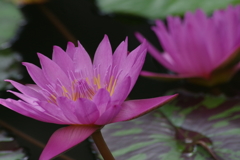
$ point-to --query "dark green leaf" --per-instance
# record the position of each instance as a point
(189, 128)
(153, 9)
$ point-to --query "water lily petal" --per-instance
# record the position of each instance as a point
(67, 107)
(24, 97)
(121, 91)
(108, 115)
(64, 139)
(103, 57)
(82, 61)
(29, 111)
(52, 71)
(101, 100)
(133, 65)
(188, 52)
(136, 68)
(36, 74)
(26, 90)
(71, 49)
(55, 111)
(156, 54)
(33, 87)
(135, 108)
(120, 54)
(86, 111)
(62, 59)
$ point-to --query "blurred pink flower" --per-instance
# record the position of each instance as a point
(71, 90)
(199, 47)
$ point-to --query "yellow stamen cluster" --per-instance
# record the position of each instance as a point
(111, 85)
(84, 89)
(97, 81)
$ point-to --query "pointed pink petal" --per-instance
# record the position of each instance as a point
(101, 99)
(71, 49)
(62, 59)
(155, 53)
(120, 54)
(108, 115)
(82, 61)
(137, 54)
(173, 40)
(35, 112)
(103, 56)
(64, 139)
(86, 111)
(18, 107)
(135, 108)
(33, 87)
(136, 68)
(26, 90)
(55, 111)
(134, 63)
(36, 74)
(52, 71)
(194, 42)
(24, 97)
(121, 91)
(213, 45)
(67, 107)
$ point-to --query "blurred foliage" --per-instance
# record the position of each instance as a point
(166, 133)
(9, 67)
(154, 9)
(192, 127)
(9, 20)
(9, 62)
(9, 148)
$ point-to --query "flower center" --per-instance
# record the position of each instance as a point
(111, 85)
(83, 88)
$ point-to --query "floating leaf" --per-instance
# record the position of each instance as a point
(189, 128)
(153, 9)
(9, 20)
(9, 148)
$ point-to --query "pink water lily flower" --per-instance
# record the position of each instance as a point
(72, 90)
(198, 47)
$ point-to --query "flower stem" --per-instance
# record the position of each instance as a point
(102, 146)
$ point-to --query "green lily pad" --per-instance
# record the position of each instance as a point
(9, 61)
(9, 20)
(9, 148)
(153, 9)
(189, 128)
